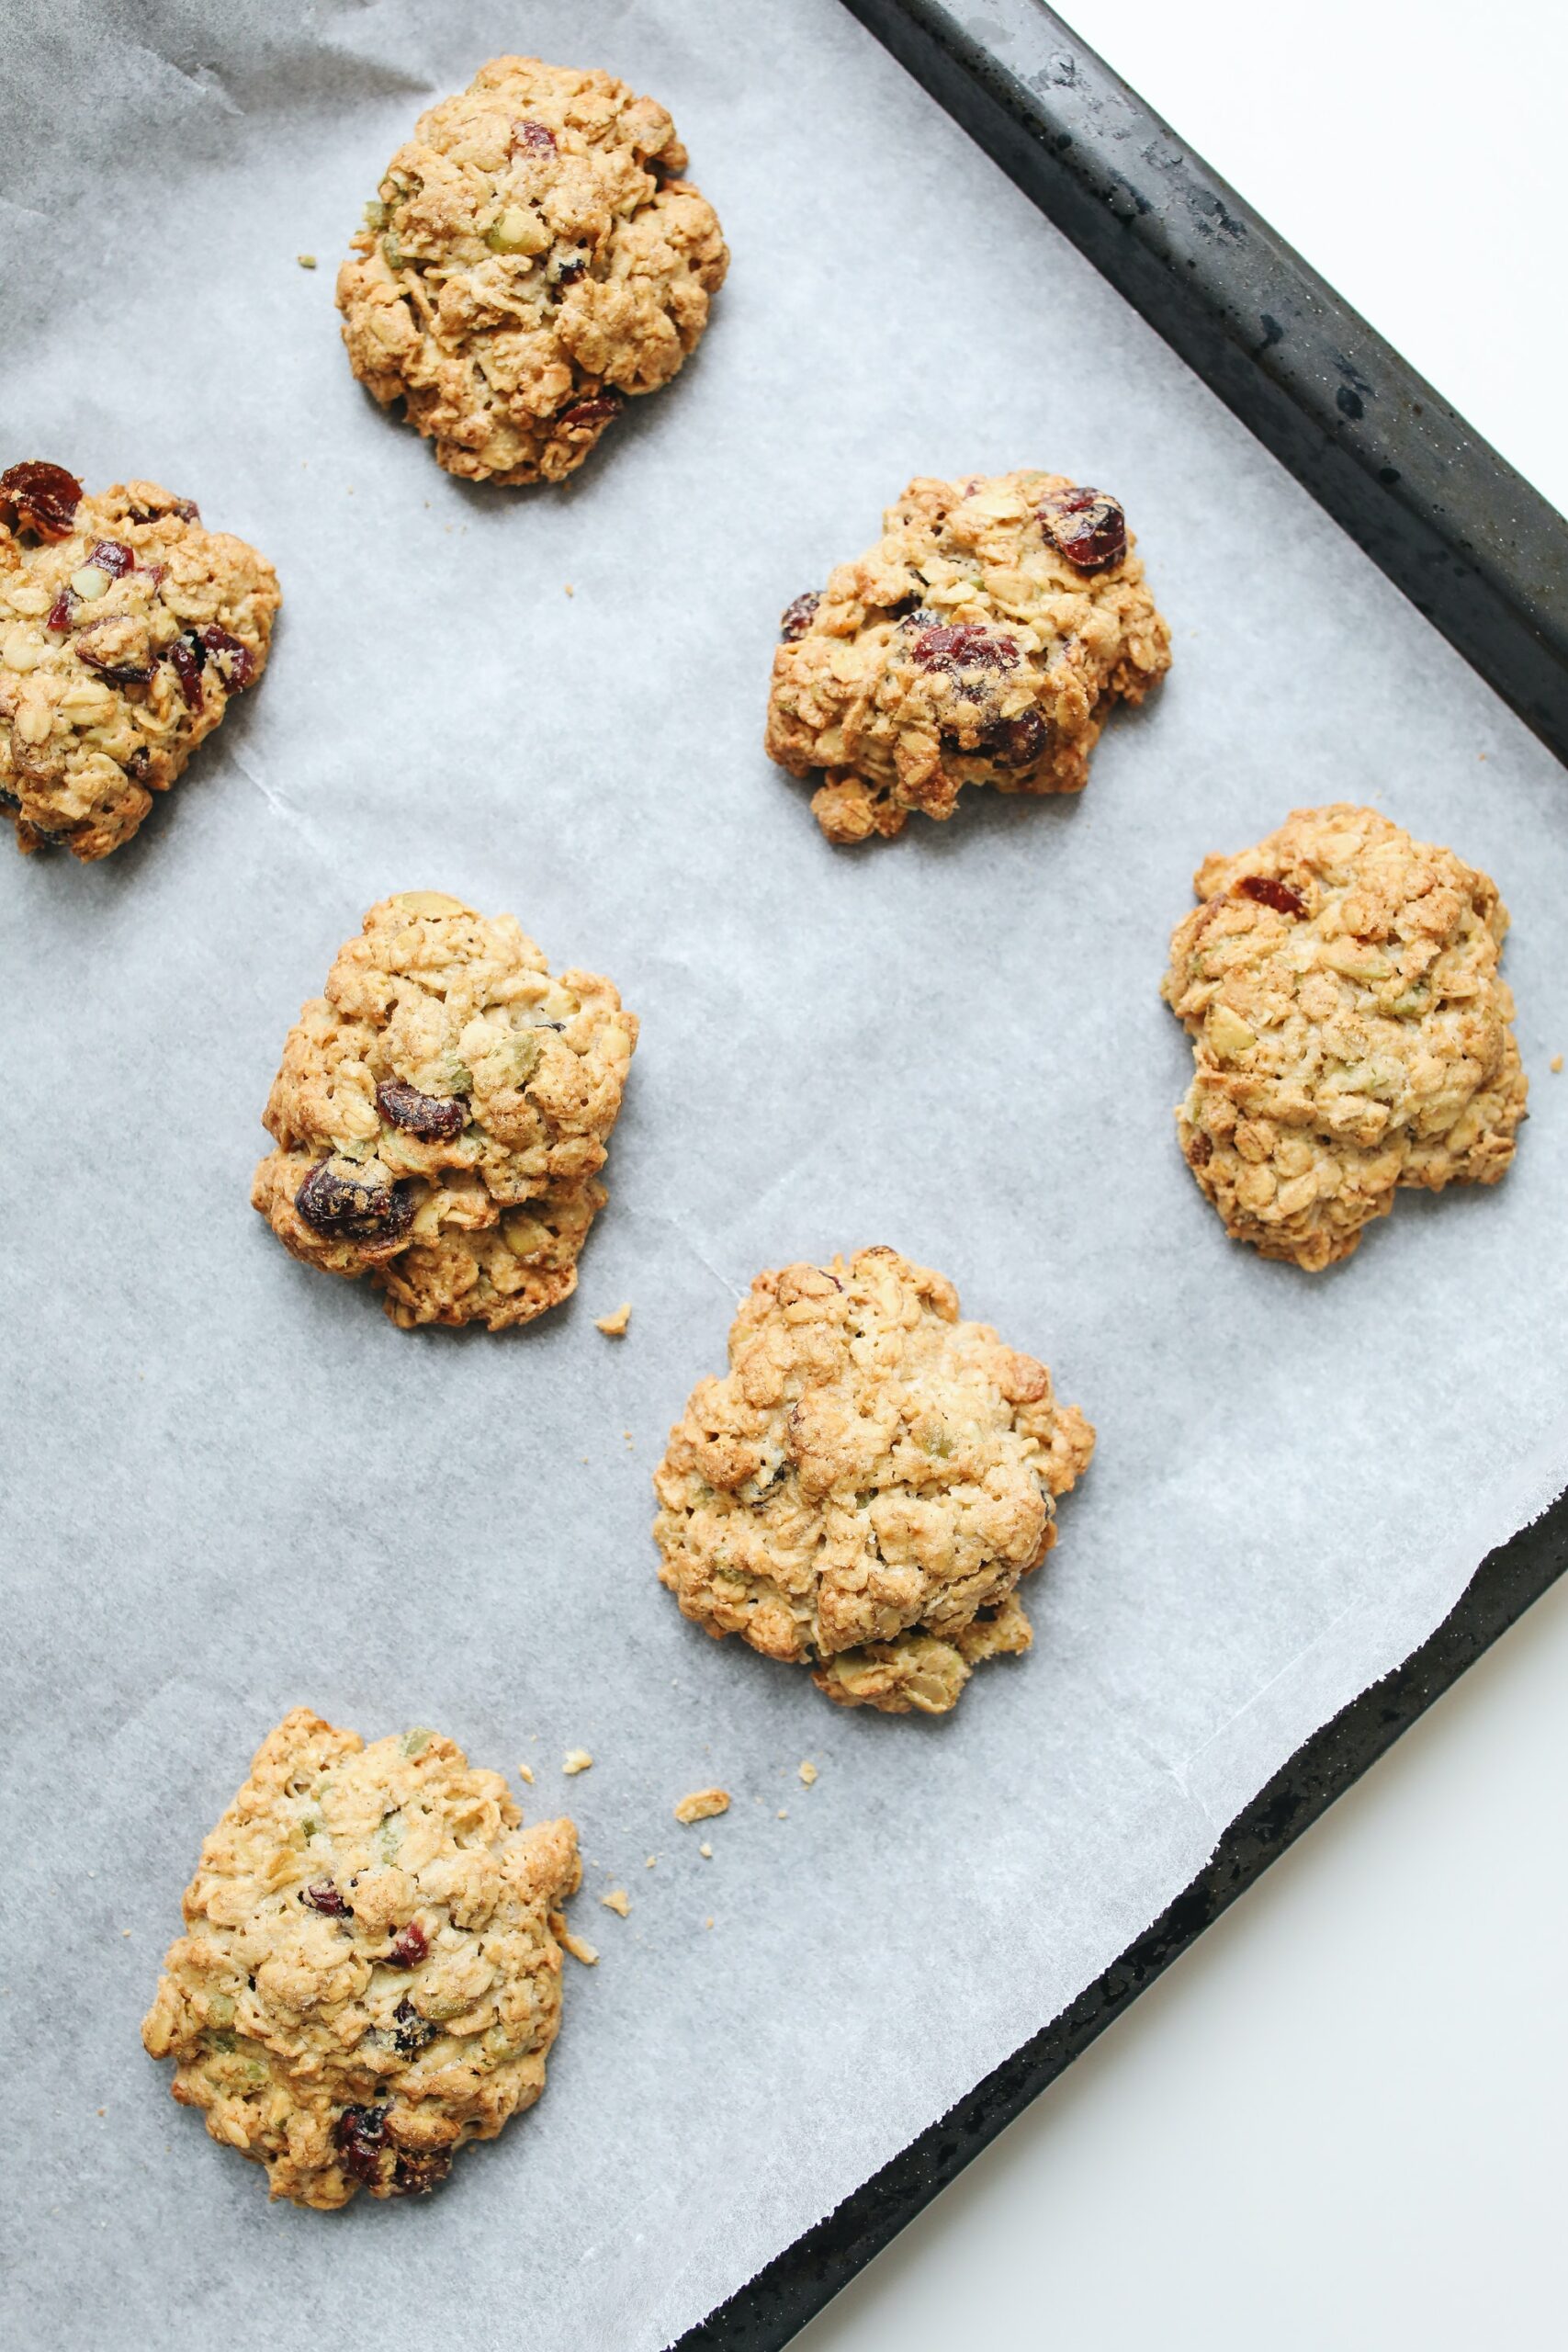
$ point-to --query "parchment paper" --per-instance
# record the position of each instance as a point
(235, 1486)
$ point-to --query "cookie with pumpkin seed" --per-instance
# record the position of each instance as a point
(1352, 1031)
(984, 639)
(441, 1116)
(126, 628)
(370, 1972)
(532, 256)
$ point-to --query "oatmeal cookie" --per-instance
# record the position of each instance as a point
(124, 628)
(982, 639)
(866, 1485)
(370, 1976)
(1349, 1029)
(441, 1115)
(532, 254)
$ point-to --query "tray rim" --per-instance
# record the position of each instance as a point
(1484, 557)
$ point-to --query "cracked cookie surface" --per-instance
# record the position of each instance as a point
(124, 628)
(864, 1488)
(369, 1977)
(1350, 1031)
(441, 1116)
(532, 256)
(982, 639)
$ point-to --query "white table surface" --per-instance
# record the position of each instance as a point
(1340, 2122)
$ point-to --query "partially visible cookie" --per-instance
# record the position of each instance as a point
(1350, 1031)
(125, 627)
(441, 1116)
(369, 1977)
(982, 639)
(864, 1488)
(532, 256)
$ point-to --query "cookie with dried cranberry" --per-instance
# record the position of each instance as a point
(441, 1116)
(369, 1977)
(125, 629)
(984, 639)
(534, 256)
(1352, 1031)
(863, 1489)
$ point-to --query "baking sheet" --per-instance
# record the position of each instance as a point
(233, 1486)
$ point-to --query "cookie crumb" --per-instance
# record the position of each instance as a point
(1556, 1065)
(523, 1774)
(809, 1772)
(707, 1853)
(579, 1949)
(784, 1812)
(306, 261)
(702, 1805)
(617, 1899)
(707, 1923)
(615, 1326)
(569, 589)
(577, 1760)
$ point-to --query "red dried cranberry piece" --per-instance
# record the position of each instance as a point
(408, 1946)
(1267, 892)
(598, 408)
(112, 556)
(1015, 742)
(797, 618)
(234, 662)
(324, 1897)
(349, 1208)
(436, 1116)
(957, 645)
(187, 510)
(361, 2136)
(124, 673)
(1086, 525)
(189, 658)
(535, 138)
(410, 2031)
(40, 497)
(1200, 1148)
(62, 611)
(416, 2172)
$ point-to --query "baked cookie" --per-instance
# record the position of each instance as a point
(532, 255)
(982, 639)
(864, 1488)
(369, 1977)
(1349, 1030)
(124, 628)
(441, 1115)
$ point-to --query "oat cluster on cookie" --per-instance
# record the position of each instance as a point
(369, 1977)
(1350, 1029)
(441, 1115)
(864, 1488)
(125, 627)
(982, 639)
(532, 254)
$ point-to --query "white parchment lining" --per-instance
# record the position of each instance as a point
(235, 1486)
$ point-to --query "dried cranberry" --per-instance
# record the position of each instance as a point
(112, 556)
(352, 1208)
(62, 611)
(324, 1897)
(234, 662)
(437, 1116)
(1267, 892)
(189, 658)
(412, 2031)
(1015, 742)
(124, 673)
(187, 510)
(40, 497)
(416, 2172)
(1201, 1149)
(535, 138)
(140, 763)
(361, 2136)
(408, 1946)
(957, 645)
(797, 618)
(598, 408)
(1086, 525)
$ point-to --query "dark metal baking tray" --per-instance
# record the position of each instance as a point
(1485, 558)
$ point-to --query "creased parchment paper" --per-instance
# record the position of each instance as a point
(235, 1486)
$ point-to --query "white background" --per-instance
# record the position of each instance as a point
(1338, 2121)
